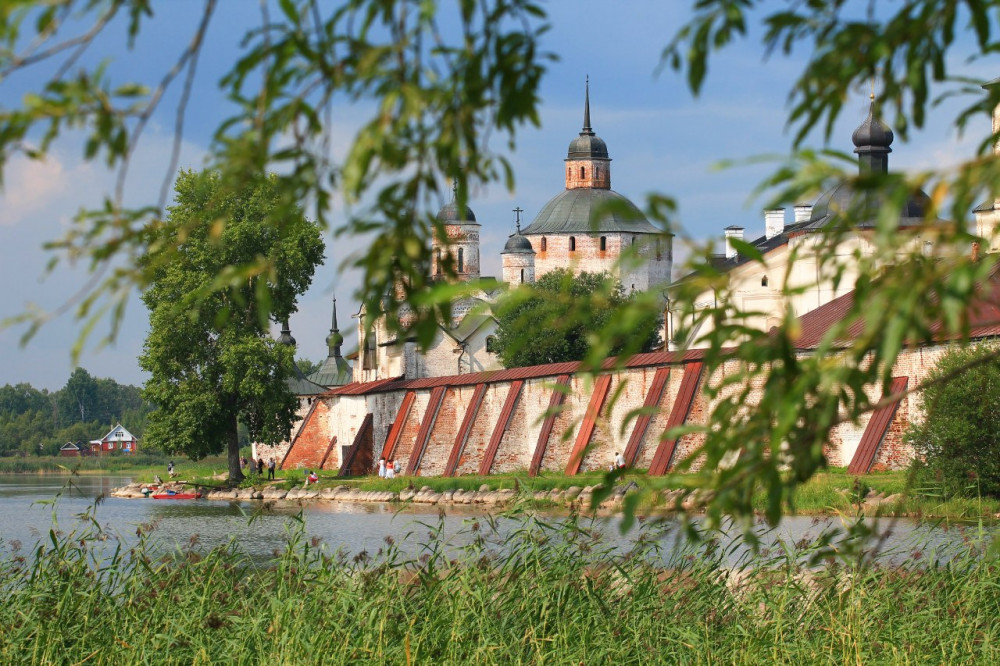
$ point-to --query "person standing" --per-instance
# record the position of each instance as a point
(270, 469)
(170, 469)
(381, 468)
(396, 467)
(389, 471)
(260, 465)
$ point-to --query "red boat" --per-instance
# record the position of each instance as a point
(173, 494)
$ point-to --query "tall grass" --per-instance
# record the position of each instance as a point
(540, 593)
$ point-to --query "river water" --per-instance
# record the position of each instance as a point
(32, 505)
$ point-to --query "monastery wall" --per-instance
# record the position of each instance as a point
(503, 421)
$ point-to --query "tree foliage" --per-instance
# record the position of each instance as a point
(556, 319)
(436, 94)
(959, 438)
(211, 359)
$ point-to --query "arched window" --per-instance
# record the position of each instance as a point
(522, 276)
(461, 260)
(763, 281)
(604, 243)
(544, 244)
(491, 344)
(583, 173)
(572, 243)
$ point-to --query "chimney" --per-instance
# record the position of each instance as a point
(732, 232)
(803, 212)
(774, 222)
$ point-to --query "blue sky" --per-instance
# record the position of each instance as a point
(659, 137)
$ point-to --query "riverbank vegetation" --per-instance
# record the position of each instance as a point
(536, 593)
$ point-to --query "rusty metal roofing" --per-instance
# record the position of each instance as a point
(650, 359)
(983, 314)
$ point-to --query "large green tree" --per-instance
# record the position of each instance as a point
(211, 359)
(556, 318)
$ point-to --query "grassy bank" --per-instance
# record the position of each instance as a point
(546, 595)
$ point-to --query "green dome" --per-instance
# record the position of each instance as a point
(570, 212)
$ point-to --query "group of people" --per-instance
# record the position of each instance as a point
(388, 470)
(258, 466)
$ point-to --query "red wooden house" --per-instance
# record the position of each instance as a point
(119, 439)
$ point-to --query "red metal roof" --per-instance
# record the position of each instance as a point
(512, 374)
(983, 314)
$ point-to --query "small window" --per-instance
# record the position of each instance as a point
(763, 281)
(461, 260)
(544, 244)
(572, 243)
(597, 172)
(370, 352)
(438, 271)
(522, 276)
(491, 343)
(659, 251)
(583, 173)
(604, 243)
(633, 241)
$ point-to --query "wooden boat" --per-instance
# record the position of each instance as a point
(175, 495)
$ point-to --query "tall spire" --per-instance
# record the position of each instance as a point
(586, 112)
(335, 339)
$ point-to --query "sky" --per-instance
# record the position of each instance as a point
(660, 138)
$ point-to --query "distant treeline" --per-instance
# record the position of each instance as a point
(37, 422)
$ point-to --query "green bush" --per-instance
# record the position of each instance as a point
(958, 443)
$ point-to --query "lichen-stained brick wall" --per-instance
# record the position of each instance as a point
(482, 428)
(312, 441)
(514, 452)
(442, 437)
(658, 424)
(567, 424)
(385, 409)
(404, 447)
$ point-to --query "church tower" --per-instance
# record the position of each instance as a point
(462, 233)
(517, 258)
(590, 227)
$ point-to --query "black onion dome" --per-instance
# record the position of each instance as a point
(517, 244)
(587, 146)
(872, 133)
(449, 214)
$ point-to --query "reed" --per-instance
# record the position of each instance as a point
(535, 593)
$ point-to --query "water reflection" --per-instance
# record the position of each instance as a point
(261, 529)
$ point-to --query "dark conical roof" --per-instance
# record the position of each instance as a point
(450, 214)
(517, 244)
(588, 145)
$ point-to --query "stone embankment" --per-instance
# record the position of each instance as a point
(425, 495)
